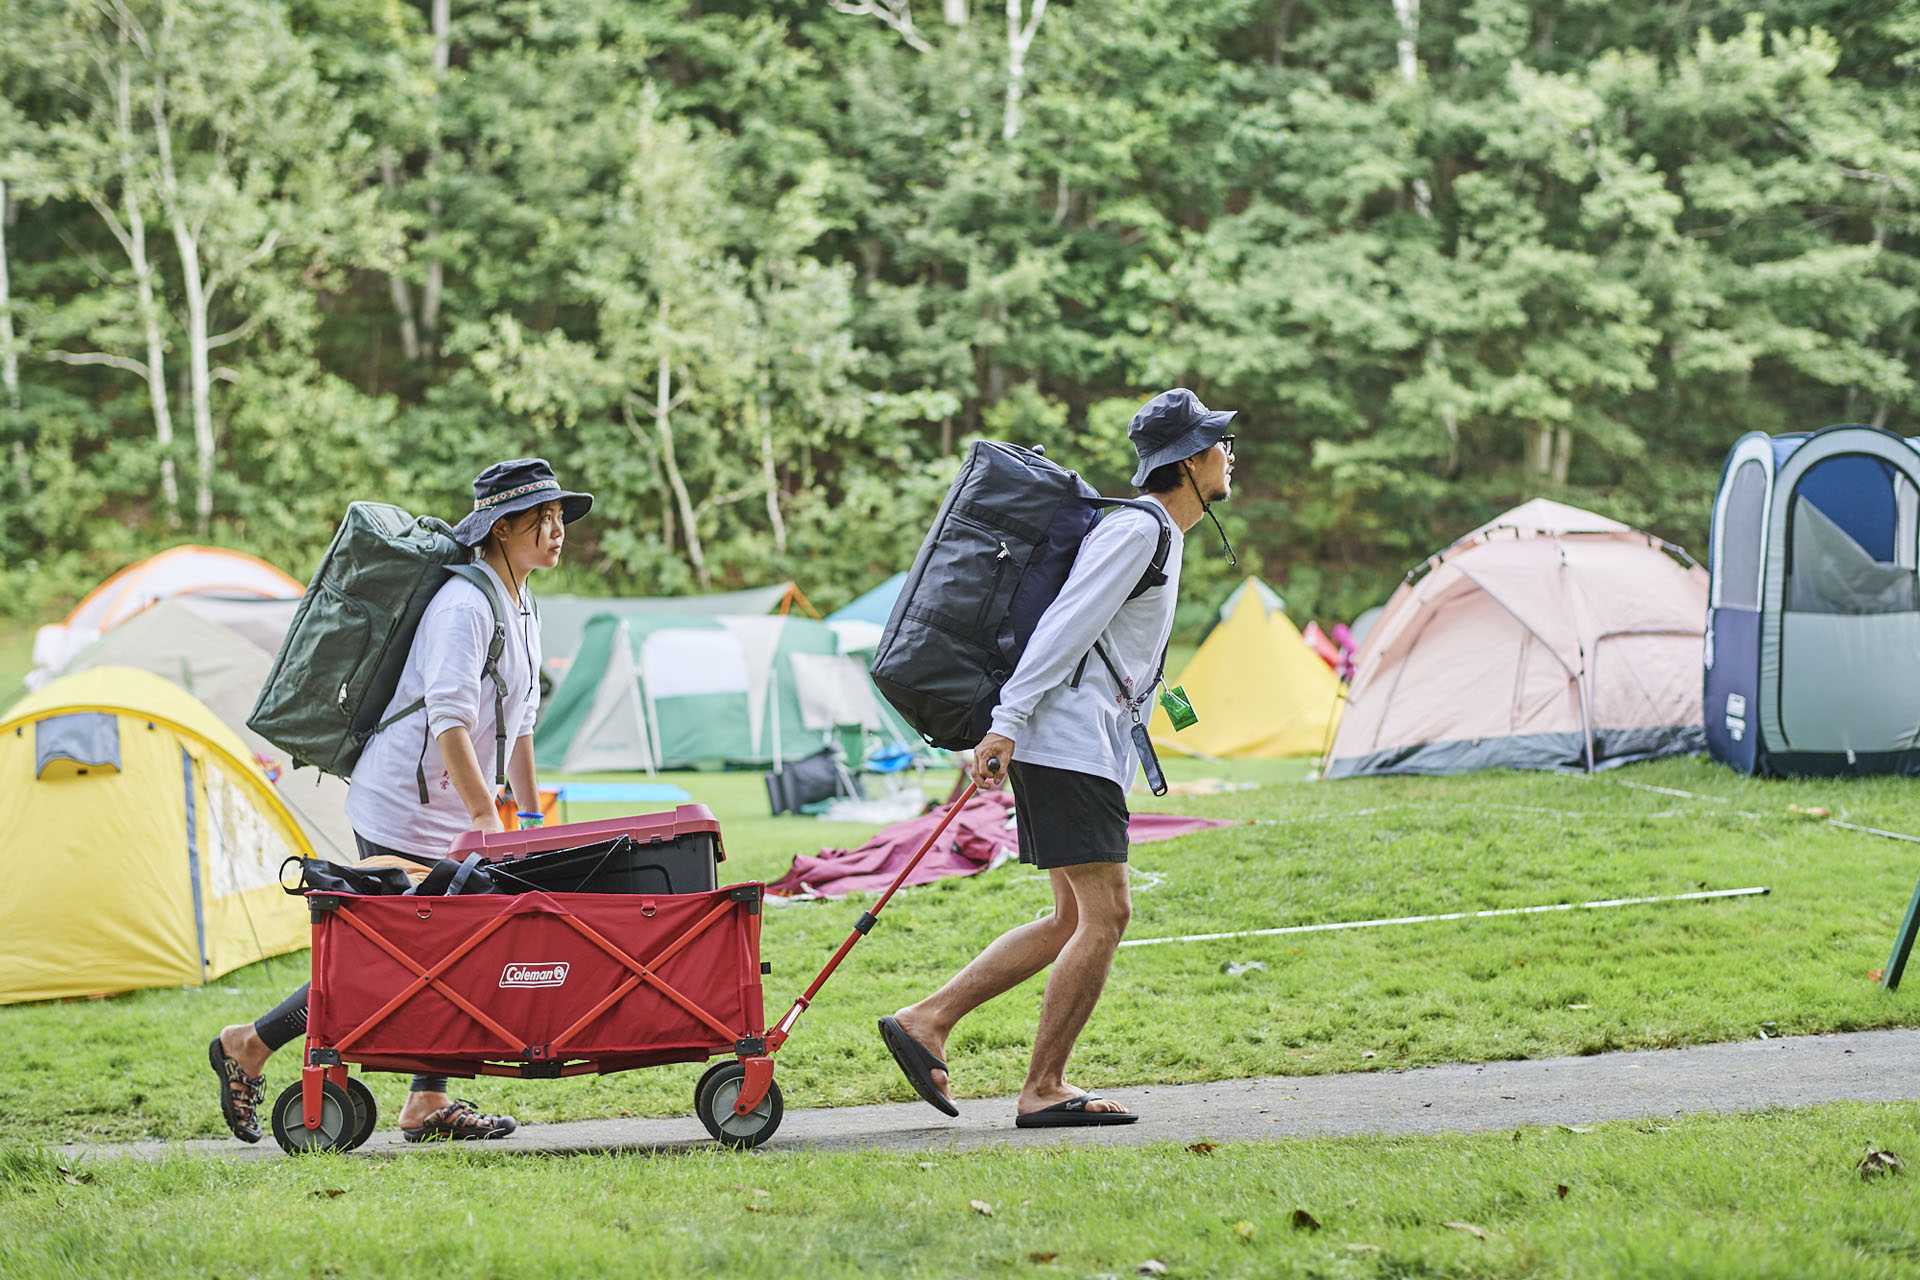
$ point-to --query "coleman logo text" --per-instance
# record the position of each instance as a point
(534, 975)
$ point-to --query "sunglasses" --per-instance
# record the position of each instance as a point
(1226, 442)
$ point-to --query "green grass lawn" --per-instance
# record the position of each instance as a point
(1764, 1195)
(1375, 999)
(16, 659)
(1739, 1197)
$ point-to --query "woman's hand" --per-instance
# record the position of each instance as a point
(489, 823)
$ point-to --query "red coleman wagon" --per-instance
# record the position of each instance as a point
(541, 984)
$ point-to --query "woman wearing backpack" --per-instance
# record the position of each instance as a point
(419, 784)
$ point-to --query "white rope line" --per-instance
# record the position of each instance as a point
(1451, 915)
(1427, 809)
(1832, 822)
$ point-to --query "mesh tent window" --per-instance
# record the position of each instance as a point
(1851, 545)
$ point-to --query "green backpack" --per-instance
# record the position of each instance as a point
(340, 663)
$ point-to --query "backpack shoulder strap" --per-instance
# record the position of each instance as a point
(490, 669)
(1155, 575)
(1156, 571)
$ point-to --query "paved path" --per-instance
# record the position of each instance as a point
(1864, 1066)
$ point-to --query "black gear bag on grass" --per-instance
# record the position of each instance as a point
(341, 660)
(998, 554)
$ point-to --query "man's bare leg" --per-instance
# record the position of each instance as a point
(1100, 894)
(1008, 961)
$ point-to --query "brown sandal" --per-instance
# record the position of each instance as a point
(240, 1093)
(459, 1122)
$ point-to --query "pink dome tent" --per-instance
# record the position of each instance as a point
(1549, 638)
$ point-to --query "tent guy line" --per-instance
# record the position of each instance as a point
(1743, 813)
(1755, 891)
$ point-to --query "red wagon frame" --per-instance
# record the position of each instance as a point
(697, 995)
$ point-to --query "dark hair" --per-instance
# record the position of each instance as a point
(1164, 478)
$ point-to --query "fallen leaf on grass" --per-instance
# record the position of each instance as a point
(1576, 1128)
(756, 1208)
(1151, 1267)
(1304, 1221)
(1875, 975)
(1877, 1163)
(331, 1193)
(79, 1179)
(1562, 1188)
(982, 1208)
(1243, 1229)
(1041, 1259)
(1363, 1248)
(1478, 1233)
(1579, 1006)
(1203, 1148)
(1367, 1053)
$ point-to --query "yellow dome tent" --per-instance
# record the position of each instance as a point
(1257, 688)
(140, 844)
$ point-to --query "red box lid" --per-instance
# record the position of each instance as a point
(645, 828)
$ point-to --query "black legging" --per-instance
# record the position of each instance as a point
(287, 1021)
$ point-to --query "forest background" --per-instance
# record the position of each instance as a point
(755, 272)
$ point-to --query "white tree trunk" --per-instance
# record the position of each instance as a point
(1408, 11)
(130, 229)
(773, 492)
(194, 290)
(436, 273)
(199, 371)
(396, 283)
(10, 362)
(663, 428)
(1019, 40)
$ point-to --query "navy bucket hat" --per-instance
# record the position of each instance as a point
(507, 487)
(1172, 426)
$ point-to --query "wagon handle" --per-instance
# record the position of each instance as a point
(778, 1035)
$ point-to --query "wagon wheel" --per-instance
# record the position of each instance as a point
(368, 1109)
(339, 1120)
(707, 1080)
(719, 1090)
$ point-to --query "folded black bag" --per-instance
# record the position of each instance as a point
(319, 875)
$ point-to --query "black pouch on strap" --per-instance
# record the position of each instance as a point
(452, 877)
(319, 875)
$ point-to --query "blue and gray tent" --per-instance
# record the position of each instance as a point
(1814, 606)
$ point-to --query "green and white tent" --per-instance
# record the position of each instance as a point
(675, 691)
(564, 619)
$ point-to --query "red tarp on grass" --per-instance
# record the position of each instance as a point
(982, 830)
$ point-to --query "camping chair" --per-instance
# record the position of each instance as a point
(810, 780)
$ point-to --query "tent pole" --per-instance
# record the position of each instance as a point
(193, 866)
(653, 712)
(773, 700)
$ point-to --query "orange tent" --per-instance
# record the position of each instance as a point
(177, 571)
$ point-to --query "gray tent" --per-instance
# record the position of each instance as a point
(224, 670)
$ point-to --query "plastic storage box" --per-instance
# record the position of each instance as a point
(675, 852)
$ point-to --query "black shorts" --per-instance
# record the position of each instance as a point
(1066, 818)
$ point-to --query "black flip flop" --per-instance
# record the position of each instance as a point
(916, 1064)
(1072, 1113)
(245, 1125)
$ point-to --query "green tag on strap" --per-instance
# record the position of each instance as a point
(1173, 700)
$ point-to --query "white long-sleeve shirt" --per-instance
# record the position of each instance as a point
(1088, 729)
(444, 668)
